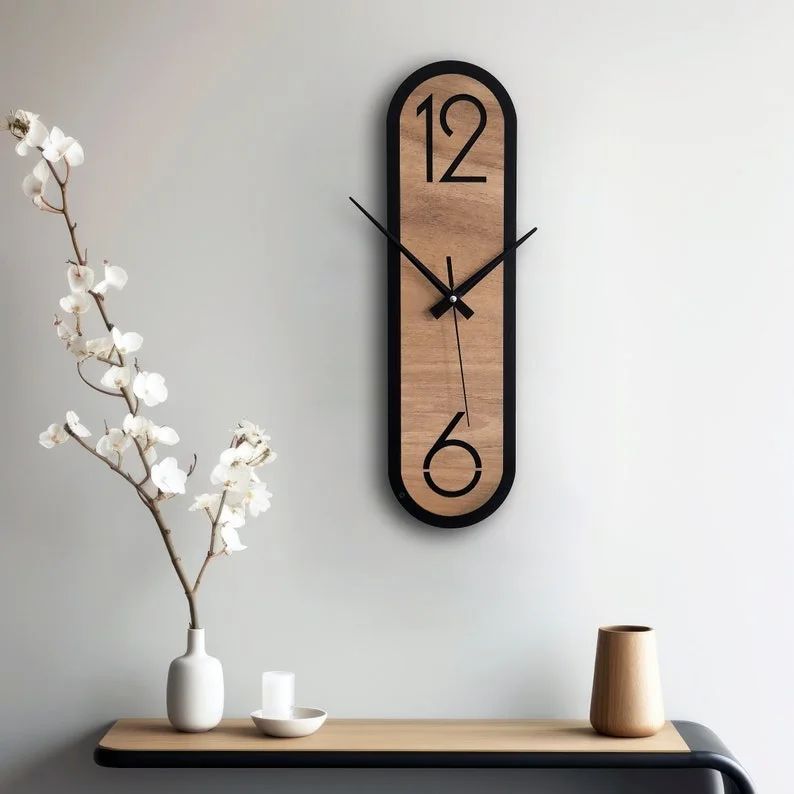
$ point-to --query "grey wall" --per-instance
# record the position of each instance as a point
(656, 419)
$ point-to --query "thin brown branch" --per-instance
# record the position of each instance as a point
(211, 553)
(165, 532)
(132, 403)
(95, 388)
(108, 462)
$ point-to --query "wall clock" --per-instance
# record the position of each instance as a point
(451, 181)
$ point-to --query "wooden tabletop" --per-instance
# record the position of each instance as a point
(384, 736)
(421, 744)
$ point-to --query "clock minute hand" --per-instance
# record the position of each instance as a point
(438, 309)
(419, 265)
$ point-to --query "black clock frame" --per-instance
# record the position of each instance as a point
(393, 282)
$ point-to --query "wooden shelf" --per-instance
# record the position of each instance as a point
(419, 743)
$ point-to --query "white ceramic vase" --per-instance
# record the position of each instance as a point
(194, 694)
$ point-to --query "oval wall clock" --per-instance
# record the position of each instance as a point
(451, 172)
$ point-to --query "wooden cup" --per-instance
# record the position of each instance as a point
(627, 691)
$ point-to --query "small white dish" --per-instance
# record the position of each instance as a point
(303, 722)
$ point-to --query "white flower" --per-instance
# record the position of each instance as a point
(75, 343)
(126, 343)
(165, 435)
(150, 454)
(114, 441)
(256, 497)
(78, 347)
(237, 456)
(233, 478)
(33, 185)
(150, 387)
(101, 346)
(73, 420)
(115, 277)
(233, 515)
(65, 333)
(76, 303)
(206, 501)
(52, 436)
(139, 427)
(250, 432)
(148, 433)
(35, 133)
(168, 477)
(80, 278)
(116, 377)
(233, 471)
(232, 539)
(59, 145)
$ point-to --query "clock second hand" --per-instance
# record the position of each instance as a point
(457, 339)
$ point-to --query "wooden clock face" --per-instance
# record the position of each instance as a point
(451, 135)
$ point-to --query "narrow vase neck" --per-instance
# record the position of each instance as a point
(195, 641)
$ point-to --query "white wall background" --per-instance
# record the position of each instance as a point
(656, 419)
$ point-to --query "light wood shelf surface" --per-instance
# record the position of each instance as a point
(362, 736)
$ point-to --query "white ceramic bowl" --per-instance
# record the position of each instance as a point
(303, 722)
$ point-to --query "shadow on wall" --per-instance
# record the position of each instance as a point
(71, 770)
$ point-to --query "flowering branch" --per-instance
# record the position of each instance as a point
(241, 493)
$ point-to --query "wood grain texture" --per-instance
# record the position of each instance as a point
(488, 736)
(627, 691)
(463, 220)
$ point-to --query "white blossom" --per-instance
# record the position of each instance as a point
(206, 501)
(35, 133)
(65, 333)
(101, 346)
(115, 277)
(115, 441)
(258, 499)
(77, 346)
(150, 387)
(73, 420)
(80, 278)
(148, 433)
(52, 436)
(59, 145)
(168, 477)
(233, 515)
(33, 185)
(237, 456)
(232, 472)
(255, 497)
(233, 478)
(116, 377)
(139, 427)
(231, 539)
(165, 435)
(76, 303)
(248, 431)
(126, 343)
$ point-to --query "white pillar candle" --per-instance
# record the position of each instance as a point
(278, 693)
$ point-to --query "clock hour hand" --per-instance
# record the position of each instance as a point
(420, 266)
(438, 309)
